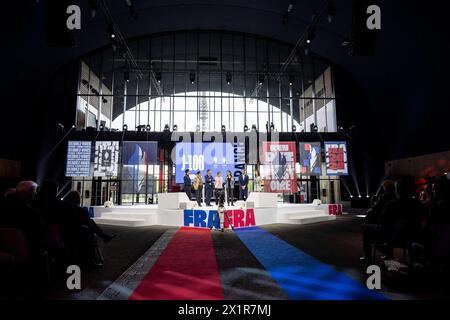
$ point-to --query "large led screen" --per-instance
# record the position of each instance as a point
(200, 156)
(78, 159)
(106, 158)
(310, 158)
(336, 158)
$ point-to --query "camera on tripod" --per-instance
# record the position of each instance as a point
(221, 213)
(220, 195)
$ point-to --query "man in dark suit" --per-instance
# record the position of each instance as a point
(187, 184)
(209, 187)
(243, 185)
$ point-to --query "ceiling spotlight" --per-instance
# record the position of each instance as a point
(291, 80)
(111, 32)
(261, 79)
(192, 77)
(359, 196)
(245, 128)
(175, 127)
(125, 127)
(148, 127)
(351, 196)
(294, 128)
(158, 77)
(228, 78)
(126, 76)
(310, 33)
(367, 196)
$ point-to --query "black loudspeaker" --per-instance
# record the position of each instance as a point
(363, 40)
(57, 33)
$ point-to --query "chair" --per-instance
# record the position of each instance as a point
(402, 237)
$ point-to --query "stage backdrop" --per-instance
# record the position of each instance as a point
(279, 167)
(136, 156)
(106, 158)
(78, 159)
(310, 163)
(336, 158)
(199, 156)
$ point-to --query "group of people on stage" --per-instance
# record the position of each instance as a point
(219, 183)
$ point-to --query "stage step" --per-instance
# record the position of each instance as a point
(310, 219)
(125, 222)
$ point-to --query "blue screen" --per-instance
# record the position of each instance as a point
(201, 156)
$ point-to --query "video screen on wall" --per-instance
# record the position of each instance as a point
(201, 156)
(310, 163)
(136, 158)
(336, 158)
(78, 159)
(106, 158)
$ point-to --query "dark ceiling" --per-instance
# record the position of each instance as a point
(405, 82)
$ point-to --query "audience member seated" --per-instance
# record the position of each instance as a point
(16, 212)
(83, 214)
(370, 226)
(406, 211)
(79, 240)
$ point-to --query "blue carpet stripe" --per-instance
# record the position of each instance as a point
(301, 276)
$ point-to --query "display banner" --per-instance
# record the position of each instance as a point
(336, 158)
(136, 156)
(106, 158)
(204, 218)
(310, 163)
(201, 156)
(279, 167)
(78, 159)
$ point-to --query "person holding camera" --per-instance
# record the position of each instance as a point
(229, 182)
(218, 186)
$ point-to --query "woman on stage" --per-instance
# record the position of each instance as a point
(229, 182)
(218, 186)
(257, 182)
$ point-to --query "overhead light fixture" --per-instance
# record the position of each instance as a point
(158, 77)
(110, 31)
(228, 77)
(192, 77)
(294, 128)
(359, 196)
(126, 76)
(291, 79)
(261, 79)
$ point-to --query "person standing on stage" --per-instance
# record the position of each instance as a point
(209, 186)
(243, 184)
(198, 187)
(257, 182)
(218, 186)
(229, 182)
(187, 184)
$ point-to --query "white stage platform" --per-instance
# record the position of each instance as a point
(147, 215)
